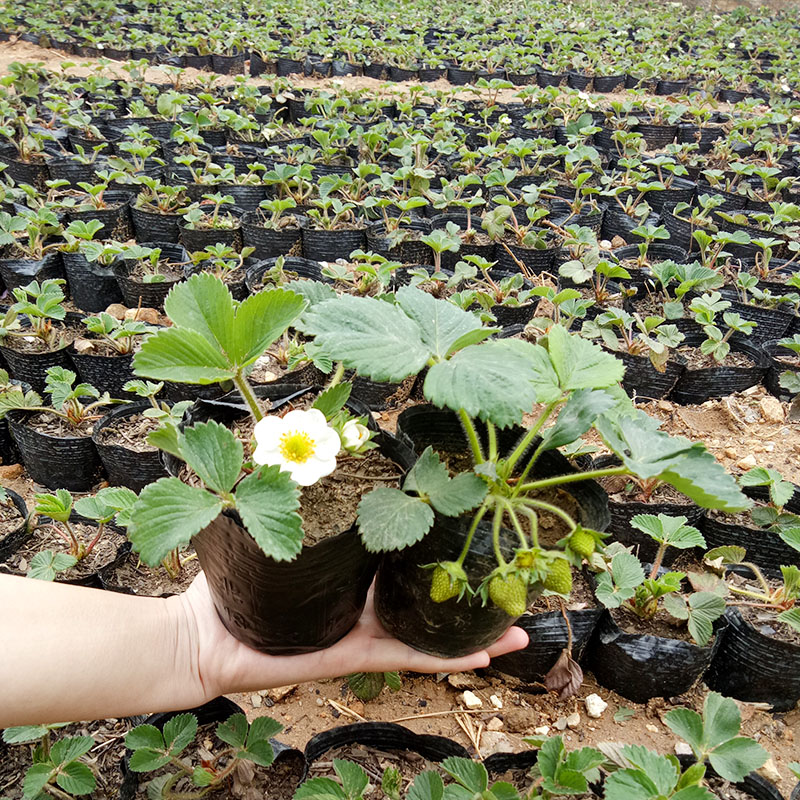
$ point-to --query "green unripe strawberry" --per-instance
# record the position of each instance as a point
(443, 587)
(559, 577)
(510, 593)
(582, 543)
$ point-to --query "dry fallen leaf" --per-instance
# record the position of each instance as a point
(565, 676)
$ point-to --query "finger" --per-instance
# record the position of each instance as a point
(513, 639)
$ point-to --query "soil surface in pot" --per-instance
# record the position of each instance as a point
(45, 538)
(581, 596)
(374, 762)
(99, 347)
(33, 344)
(621, 489)
(696, 359)
(10, 518)
(152, 581)
(170, 270)
(725, 790)
(104, 758)
(662, 624)
(51, 425)
(130, 432)
(764, 620)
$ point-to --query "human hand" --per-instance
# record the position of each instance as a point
(223, 664)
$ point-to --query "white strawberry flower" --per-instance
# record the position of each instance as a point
(354, 435)
(301, 443)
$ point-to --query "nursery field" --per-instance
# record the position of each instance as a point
(499, 317)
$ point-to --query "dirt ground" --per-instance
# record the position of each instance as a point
(742, 431)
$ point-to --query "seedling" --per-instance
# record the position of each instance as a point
(41, 304)
(716, 344)
(120, 335)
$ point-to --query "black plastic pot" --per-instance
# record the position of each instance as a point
(617, 223)
(535, 261)
(773, 352)
(656, 137)
(449, 260)
(123, 465)
(302, 267)
(656, 253)
(17, 272)
(11, 542)
(547, 634)
(764, 548)
(150, 295)
(197, 239)
(153, 227)
(106, 373)
(753, 667)
(72, 171)
(228, 64)
(383, 736)
(116, 219)
(286, 608)
(698, 385)
(69, 462)
(771, 323)
(640, 666)
(268, 243)
(680, 191)
(325, 245)
(608, 83)
(31, 368)
(408, 251)
(9, 454)
(92, 287)
(645, 381)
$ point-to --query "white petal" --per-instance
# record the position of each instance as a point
(312, 470)
(268, 428)
(268, 454)
(327, 443)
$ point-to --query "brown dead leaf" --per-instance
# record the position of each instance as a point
(565, 676)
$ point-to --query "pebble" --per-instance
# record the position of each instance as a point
(652, 728)
(731, 452)
(595, 706)
(561, 724)
(748, 462)
(573, 720)
(471, 700)
(494, 724)
(771, 409)
(255, 700)
(495, 742)
(496, 701)
(11, 471)
(117, 310)
(542, 730)
(770, 771)
(149, 315)
(466, 680)
(320, 701)
(682, 749)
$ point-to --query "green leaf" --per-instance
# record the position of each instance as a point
(675, 605)
(578, 415)
(694, 793)
(373, 337)
(449, 496)
(441, 324)
(393, 681)
(263, 729)
(687, 725)
(47, 564)
(145, 736)
(473, 337)
(22, 734)
(166, 515)
(579, 363)
(629, 784)
(76, 778)
(659, 769)
(320, 789)
(737, 758)
(389, 519)
(166, 439)
(491, 381)
(470, 774)
(214, 453)
(427, 786)
(260, 320)
(730, 554)
(624, 714)
(202, 777)
(704, 480)
(333, 399)
(790, 618)
(354, 779)
(672, 530)
(36, 778)
(704, 609)
(147, 760)
(366, 686)
(721, 719)
(234, 731)
(179, 732)
(70, 747)
(267, 501)
(182, 356)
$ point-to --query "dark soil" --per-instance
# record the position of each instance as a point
(764, 620)
(581, 596)
(269, 368)
(10, 518)
(169, 269)
(725, 790)
(663, 625)
(45, 538)
(621, 489)
(32, 344)
(51, 425)
(699, 360)
(99, 347)
(130, 432)
(103, 759)
(374, 762)
(143, 580)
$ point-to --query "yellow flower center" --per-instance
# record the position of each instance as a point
(297, 446)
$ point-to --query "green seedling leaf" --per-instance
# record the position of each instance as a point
(389, 519)
(579, 363)
(620, 585)
(354, 779)
(47, 564)
(426, 786)
(214, 453)
(624, 714)
(179, 732)
(578, 415)
(333, 399)
(672, 531)
(470, 774)
(184, 356)
(430, 479)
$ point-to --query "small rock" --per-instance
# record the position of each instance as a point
(770, 771)
(255, 700)
(652, 728)
(496, 701)
(466, 680)
(561, 724)
(494, 724)
(682, 749)
(83, 345)
(542, 730)
(320, 701)
(11, 471)
(595, 706)
(771, 409)
(149, 315)
(573, 720)
(519, 720)
(495, 742)
(665, 405)
(748, 462)
(358, 707)
(730, 452)
(471, 700)
(117, 310)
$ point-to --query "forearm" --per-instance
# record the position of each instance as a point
(71, 653)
